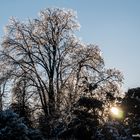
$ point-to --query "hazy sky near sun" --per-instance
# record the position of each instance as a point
(114, 25)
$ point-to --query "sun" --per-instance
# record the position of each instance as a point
(116, 112)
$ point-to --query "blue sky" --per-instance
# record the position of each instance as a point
(114, 25)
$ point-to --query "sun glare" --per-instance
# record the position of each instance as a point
(116, 112)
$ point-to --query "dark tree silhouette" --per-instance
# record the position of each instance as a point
(131, 106)
(13, 127)
(85, 120)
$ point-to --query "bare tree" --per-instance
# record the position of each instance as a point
(57, 65)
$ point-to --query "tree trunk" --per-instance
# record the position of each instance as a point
(0, 101)
(51, 86)
(51, 97)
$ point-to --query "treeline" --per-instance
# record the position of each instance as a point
(54, 86)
